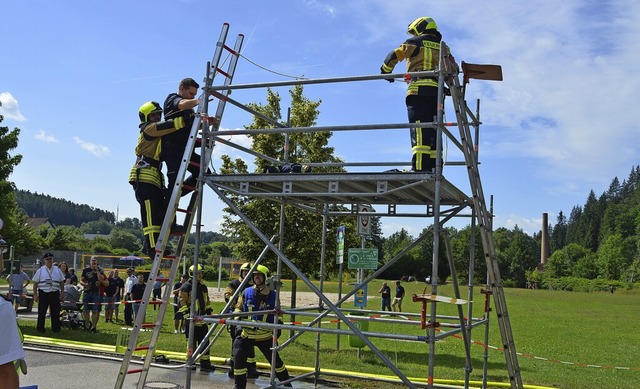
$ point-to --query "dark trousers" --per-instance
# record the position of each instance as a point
(386, 303)
(241, 349)
(172, 156)
(128, 310)
(50, 301)
(422, 109)
(200, 333)
(152, 210)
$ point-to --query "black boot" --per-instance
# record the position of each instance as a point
(240, 382)
(283, 376)
(230, 373)
(206, 366)
(252, 372)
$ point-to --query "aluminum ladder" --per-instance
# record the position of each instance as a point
(200, 133)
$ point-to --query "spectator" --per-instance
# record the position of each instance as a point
(137, 291)
(109, 299)
(157, 289)
(64, 268)
(48, 282)
(128, 285)
(71, 297)
(385, 291)
(74, 277)
(397, 301)
(17, 284)
(93, 278)
(120, 283)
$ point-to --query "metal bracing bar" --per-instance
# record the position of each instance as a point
(236, 146)
(327, 80)
(351, 127)
(313, 288)
(370, 278)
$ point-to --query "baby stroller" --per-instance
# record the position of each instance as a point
(70, 314)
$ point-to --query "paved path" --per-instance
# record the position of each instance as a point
(58, 370)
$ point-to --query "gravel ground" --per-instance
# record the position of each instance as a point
(302, 298)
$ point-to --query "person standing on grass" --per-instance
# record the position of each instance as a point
(48, 287)
(17, 284)
(93, 280)
(397, 301)
(128, 285)
(385, 291)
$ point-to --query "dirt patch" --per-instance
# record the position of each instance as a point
(303, 299)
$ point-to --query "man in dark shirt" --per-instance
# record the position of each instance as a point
(397, 301)
(92, 279)
(385, 291)
(177, 105)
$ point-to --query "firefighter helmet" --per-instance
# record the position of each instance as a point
(245, 267)
(420, 25)
(261, 269)
(191, 270)
(147, 109)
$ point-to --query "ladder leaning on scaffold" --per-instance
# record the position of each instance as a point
(487, 72)
(201, 131)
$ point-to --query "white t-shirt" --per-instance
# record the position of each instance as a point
(11, 346)
(128, 284)
(48, 280)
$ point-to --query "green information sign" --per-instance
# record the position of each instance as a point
(363, 258)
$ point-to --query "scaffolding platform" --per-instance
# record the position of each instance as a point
(401, 188)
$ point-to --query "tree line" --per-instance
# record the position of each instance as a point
(596, 244)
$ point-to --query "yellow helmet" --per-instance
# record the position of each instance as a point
(200, 268)
(263, 270)
(420, 25)
(147, 109)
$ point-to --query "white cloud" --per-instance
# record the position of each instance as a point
(321, 6)
(97, 150)
(9, 108)
(43, 136)
(241, 140)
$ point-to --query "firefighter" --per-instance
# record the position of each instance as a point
(232, 286)
(146, 176)
(259, 297)
(422, 52)
(203, 307)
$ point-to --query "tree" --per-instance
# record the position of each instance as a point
(614, 257)
(302, 237)
(100, 226)
(124, 239)
(561, 262)
(15, 232)
(558, 235)
(393, 245)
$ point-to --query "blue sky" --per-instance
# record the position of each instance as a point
(563, 121)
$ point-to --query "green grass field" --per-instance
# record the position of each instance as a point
(558, 333)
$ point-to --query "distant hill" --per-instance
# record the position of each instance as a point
(60, 212)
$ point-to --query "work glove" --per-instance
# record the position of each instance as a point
(383, 72)
(178, 122)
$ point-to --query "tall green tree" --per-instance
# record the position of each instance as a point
(302, 237)
(15, 231)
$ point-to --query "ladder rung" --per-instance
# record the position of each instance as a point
(222, 72)
(141, 348)
(182, 210)
(133, 371)
(195, 164)
(148, 325)
(162, 279)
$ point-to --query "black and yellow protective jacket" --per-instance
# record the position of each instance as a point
(254, 300)
(202, 300)
(147, 167)
(422, 53)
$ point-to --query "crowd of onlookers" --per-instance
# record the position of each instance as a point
(79, 301)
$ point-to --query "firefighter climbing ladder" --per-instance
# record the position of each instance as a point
(200, 123)
(489, 72)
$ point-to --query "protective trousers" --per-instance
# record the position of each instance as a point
(251, 353)
(152, 210)
(422, 109)
(200, 333)
(241, 350)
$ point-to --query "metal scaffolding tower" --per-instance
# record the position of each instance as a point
(394, 193)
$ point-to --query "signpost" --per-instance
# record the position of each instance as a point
(364, 221)
(363, 259)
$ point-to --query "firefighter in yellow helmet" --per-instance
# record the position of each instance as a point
(203, 307)
(232, 286)
(146, 175)
(421, 52)
(259, 297)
